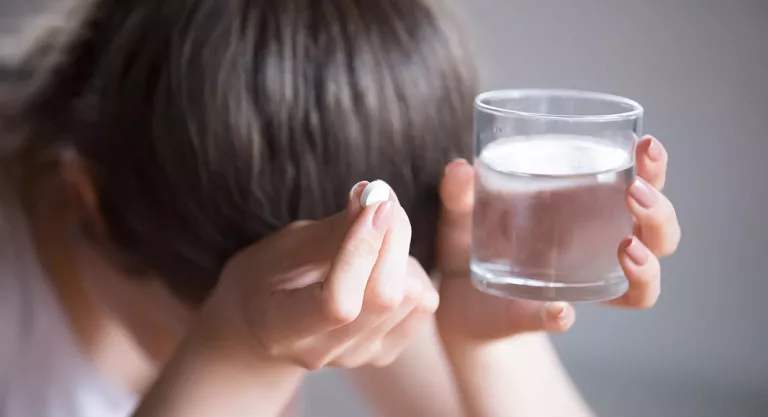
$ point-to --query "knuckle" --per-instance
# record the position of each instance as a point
(673, 237)
(668, 247)
(664, 216)
(646, 300)
(272, 349)
(383, 361)
(430, 302)
(342, 363)
(657, 219)
(645, 280)
(356, 358)
(414, 291)
(311, 363)
(670, 212)
(646, 296)
(297, 224)
(340, 313)
(365, 247)
(385, 300)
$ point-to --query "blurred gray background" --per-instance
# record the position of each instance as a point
(700, 68)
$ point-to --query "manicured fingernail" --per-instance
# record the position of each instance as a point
(655, 151)
(455, 164)
(636, 252)
(383, 216)
(642, 193)
(354, 193)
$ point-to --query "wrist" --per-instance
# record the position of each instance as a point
(214, 338)
(209, 376)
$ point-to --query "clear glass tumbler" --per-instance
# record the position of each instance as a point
(552, 168)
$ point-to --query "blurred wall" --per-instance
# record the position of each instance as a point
(700, 68)
(18, 18)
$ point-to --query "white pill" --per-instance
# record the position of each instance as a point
(375, 192)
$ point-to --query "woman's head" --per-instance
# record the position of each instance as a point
(204, 126)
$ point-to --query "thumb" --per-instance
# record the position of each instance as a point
(338, 299)
(454, 231)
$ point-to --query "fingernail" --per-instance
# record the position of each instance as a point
(636, 252)
(382, 216)
(454, 164)
(655, 151)
(354, 193)
(642, 193)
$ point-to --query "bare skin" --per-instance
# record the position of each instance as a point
(146, 333)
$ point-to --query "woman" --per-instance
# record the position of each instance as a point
(180, 238)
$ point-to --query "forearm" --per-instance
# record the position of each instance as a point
(520, 376)
(418, 384)
(203, 382)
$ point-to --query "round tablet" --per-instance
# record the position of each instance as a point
(375, 192)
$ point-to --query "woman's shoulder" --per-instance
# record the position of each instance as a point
(12, 291)
(26, 300)
(41, 369)
(15, 291)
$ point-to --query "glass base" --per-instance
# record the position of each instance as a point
(532, 289)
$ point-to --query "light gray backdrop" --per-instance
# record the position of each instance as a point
(700, 68)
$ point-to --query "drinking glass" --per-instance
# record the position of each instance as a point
(552, 168)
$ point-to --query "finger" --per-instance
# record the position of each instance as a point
(362, 339)
(326, 236)
(383, 340)
(308, 289)
(533, 316)
(558, 317)
(373, 324)
(386, 286)
(455, 226)
(397, 337)
(643, 272)
(395, 342)
(337, 300)
(651, 159)
(655, 218)
(344, 288)
(368, 334)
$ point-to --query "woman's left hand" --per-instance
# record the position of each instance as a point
(466, 312)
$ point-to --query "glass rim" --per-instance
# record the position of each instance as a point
(635, 112)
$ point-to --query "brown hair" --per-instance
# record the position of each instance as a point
(208, 125)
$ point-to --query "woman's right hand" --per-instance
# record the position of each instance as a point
(341, 291)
